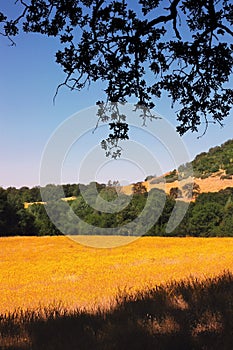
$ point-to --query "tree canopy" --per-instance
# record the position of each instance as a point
(140, 49)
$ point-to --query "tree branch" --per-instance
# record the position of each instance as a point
(226, 29)
(164, 19)
(23, 13)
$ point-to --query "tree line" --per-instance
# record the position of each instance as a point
(210, 215)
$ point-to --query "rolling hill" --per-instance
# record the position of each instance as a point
(212, 171)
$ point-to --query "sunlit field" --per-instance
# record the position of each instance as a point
(43, 271)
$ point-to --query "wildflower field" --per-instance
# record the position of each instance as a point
(44, 271)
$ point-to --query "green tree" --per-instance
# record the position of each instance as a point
(155, 211)
(166, 213)
(14, 198)
(139, 188)
(108, 194)
(26, 223)
(184, 229)
(71, 190)
(226, 226)
(191, 190)
(52, 192)
(220, 197)
(7, 215)
(35, 195)
(42, 222)
(205, 218)
(175, 192)
(81, 208)
(12, 219)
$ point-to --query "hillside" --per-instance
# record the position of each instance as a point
(210, 184)
(219, 158)
(212, 172)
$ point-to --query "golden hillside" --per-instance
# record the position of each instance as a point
(213, 183)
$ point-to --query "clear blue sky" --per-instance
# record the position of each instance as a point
(28, 117)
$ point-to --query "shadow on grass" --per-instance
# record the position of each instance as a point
(189, 315)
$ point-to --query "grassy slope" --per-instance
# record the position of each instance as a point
(210, 184)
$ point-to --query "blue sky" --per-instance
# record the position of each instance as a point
(28, 117)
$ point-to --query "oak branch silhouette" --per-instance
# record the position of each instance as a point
(139, 49)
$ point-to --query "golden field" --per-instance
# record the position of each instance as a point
(47, 270)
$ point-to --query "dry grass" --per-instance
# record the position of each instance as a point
(48, 270)
(192, 314)
(210, 184)
(213, 184)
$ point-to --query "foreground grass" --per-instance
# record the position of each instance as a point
(191, 314)
(46, 270)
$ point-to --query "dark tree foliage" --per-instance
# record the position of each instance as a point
(139, 188)
(185, 45)
(191, 190)
(175, 192)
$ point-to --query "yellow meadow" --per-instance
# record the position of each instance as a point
(48, 270)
